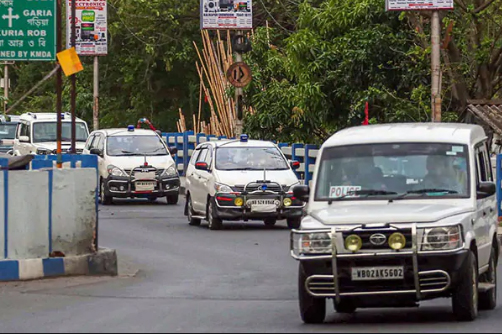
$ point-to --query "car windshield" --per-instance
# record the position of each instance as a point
(397, 170)
(135, 146)
(8, 131)
(250, 158)
(47, 132)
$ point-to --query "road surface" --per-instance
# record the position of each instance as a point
(190, 279)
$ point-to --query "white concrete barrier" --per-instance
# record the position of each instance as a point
(46, 211)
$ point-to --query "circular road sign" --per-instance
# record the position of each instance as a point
(239, 74)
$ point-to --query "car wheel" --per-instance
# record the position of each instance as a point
(312, 309)
(488, 299)
(172, 199)
(270, 222)
(465, 296)
(294, 223)
(191, 220)
(214, 223)
(105, 200)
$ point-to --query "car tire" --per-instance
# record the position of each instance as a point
(270, 222)
(488, 299)
(191, 220)
(312, 309)
(214, 222)
(172, 199)
(294, 223)
(345, 306)
(465, 296)
(105, 200)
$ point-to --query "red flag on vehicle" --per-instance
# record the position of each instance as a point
(367, 114)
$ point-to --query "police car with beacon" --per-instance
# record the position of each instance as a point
(241, 180)
(134, 163)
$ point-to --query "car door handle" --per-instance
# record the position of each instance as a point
(491, 210)
(484, 213)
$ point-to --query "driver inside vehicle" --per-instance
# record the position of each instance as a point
(442, 174)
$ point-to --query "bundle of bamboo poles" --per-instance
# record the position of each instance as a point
(214, 60)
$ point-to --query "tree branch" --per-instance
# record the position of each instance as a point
(461, 4)
(484, 6)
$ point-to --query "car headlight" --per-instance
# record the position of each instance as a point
(115, 171)
(442, 238)
(171, 171)
(43, 151)
(315, 243)
(222, 188)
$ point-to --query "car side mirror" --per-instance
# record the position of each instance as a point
(486, 189)
(96, 151)
(295, 164)
(302, 193)
(24, 139)
(202, 166)
(173, 150)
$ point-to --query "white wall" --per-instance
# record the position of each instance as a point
(28, 235)
(73, 212)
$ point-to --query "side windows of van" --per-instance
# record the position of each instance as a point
(483, 164)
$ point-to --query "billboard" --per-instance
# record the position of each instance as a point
(405, 5)
(226, 14)
(91, 27)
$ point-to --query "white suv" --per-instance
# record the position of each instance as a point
(241, 180)
(37, 134)
(134, 163)
(399, 214)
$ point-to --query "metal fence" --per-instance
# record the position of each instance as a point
(186, 142)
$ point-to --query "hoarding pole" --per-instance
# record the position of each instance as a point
(96, 93)
(73, 81)
(59, 85)
(6, 88)
(436, 67)
(238, 97)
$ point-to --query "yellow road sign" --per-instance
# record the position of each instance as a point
(70, 62)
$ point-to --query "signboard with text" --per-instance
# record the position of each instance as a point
(405, 5)
(27, 30)
(226, 14)
(91, 27)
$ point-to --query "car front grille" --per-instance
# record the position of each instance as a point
(367, 235)
(158, 172)
(257, 186)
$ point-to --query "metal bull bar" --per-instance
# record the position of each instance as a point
(420, 278)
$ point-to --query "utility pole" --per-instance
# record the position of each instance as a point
(436, 67)
(96, 94)
(238, 97)
(73, 81)
(59, 84)
(6, 87)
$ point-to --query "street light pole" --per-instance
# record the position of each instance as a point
(73, 80)
(436, 67)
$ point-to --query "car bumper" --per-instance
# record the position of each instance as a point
(125, 187)
(426, 275)
(226, 209)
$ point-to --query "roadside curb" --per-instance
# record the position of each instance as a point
(102, 263)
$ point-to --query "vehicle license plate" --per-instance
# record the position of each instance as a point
(144, 176)
(145, 186)
(377, 273)
(274, 202)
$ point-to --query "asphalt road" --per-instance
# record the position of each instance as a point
(190, 279)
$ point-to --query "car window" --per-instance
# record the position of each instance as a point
(88, 145)
(202, 155)
(416, 170)
(47, 132)
(484, 173)
(100, 142)
(250, 158)
(209, 156)
(195, 156)
(130, 145)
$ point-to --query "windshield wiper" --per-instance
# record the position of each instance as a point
(369, 192)
(424, 192)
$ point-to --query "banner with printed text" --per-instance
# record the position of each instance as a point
(226, 14)
(91, 27)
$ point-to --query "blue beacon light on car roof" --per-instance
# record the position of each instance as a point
(130, 128)
(244, 138)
